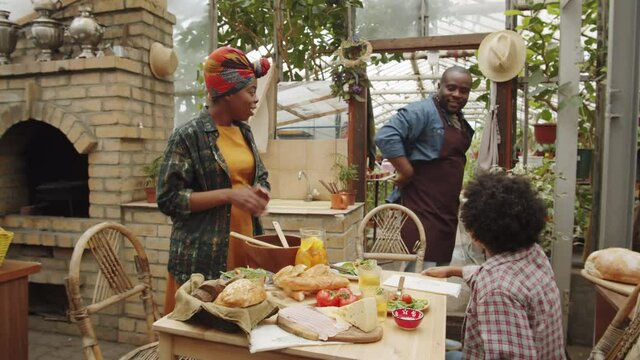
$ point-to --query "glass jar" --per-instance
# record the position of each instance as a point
(312, 250)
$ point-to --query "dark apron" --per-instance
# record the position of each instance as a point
(433, 195)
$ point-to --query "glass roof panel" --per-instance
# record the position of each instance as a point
(389, 19)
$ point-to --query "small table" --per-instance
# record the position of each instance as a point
(14, 307)
(426, 342)
(608, 303)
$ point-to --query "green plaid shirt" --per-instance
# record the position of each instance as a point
(193, 162)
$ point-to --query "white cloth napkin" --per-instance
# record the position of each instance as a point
(268, 337)
(424, 284)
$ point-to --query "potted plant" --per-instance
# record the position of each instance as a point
(345, 174)
(151, 172)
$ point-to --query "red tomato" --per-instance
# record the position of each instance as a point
(344, 291)
(407, 299)
(327, 298)
(346, 299)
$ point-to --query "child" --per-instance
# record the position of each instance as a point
(514, 311)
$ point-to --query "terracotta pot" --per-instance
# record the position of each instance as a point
(151, 194)
(545, 133)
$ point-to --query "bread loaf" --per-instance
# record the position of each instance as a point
(208, 291)
(615, 264)
(241, 293)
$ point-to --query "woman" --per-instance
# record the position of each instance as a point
(212, 180)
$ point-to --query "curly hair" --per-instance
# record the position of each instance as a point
(503, 212)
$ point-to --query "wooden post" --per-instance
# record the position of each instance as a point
(357, 143)
(506, 121)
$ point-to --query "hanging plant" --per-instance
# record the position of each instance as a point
(349, 76)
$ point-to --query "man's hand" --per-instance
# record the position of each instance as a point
(401, 180)
(404, 171)
(250, 200)
(443, 271)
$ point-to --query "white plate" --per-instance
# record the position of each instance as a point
(348, 276)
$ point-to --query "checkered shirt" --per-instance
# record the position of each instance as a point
(514, 311)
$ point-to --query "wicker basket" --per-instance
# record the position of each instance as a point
(5, 240)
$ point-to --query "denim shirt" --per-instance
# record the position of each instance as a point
(193, 162)
(415, 131)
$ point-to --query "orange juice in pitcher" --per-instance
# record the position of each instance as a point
(311, 251)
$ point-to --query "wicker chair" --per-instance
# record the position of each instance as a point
(107, 242)
(387, 244)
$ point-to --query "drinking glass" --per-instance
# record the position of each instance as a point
(381, 304)
(369, 279)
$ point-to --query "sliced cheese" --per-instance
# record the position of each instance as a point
(361, 314)
(334, 313)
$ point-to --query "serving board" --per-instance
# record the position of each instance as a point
(353, 335)
(620, 288)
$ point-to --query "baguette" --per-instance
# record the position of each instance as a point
(313, 279)
(615, 264)
(313, 284)
(295, 295)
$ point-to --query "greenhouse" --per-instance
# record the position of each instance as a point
(326, 179)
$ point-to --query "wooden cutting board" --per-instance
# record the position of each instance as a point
(353, 335)
(620, 288)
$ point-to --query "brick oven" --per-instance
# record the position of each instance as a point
(74, 136)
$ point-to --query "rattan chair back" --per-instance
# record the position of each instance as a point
(108, 242)
(380, 235)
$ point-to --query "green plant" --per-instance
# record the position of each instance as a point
(345, 172)
(151, 171)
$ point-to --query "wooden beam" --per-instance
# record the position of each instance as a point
(506, 92)
(443, 42)
(357, 144)
(304, 117)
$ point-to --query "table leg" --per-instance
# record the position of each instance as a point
(165, 347)
(604, 314)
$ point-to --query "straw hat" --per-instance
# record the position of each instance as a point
(501, 55)
(162, 60)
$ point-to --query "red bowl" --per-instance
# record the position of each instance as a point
(407, 319)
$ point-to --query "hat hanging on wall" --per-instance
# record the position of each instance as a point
(501, 55)
(163, 61)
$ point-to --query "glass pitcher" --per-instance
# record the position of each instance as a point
(312, 250)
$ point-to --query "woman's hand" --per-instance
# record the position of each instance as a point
(443, 271)
(251, 200)
(262, 192)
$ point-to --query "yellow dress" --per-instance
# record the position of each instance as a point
(241, 165)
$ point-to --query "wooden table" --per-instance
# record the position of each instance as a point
(14, 307)
(426, 342)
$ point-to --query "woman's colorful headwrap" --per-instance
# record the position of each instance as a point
(227, 71)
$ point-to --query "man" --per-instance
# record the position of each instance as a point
(426, 142)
